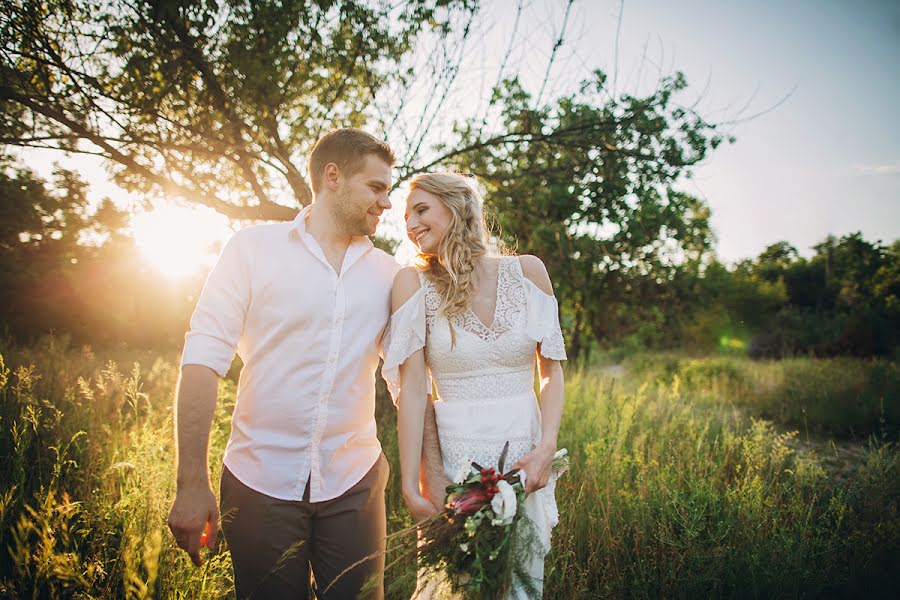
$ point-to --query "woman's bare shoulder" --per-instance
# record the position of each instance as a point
(533, 268)
(406, 284)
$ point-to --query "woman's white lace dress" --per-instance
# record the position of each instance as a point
(485, 386)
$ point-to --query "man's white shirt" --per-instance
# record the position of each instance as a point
(309, 339)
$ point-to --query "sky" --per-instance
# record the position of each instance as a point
(827, 159)
(810, 89)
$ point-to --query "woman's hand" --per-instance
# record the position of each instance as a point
(536, 465)
(419, 507)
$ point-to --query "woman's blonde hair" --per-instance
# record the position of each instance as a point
(465, 241)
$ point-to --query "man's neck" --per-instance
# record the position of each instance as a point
(321, 225)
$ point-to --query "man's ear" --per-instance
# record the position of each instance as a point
(332, 176)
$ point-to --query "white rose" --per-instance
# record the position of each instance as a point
(504, 502)
(463, 472)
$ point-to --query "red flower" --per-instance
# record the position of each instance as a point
(469, 501)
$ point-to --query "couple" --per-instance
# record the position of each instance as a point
(309, 306)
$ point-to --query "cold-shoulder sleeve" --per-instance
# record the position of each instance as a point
(542, 322)
(405, 335)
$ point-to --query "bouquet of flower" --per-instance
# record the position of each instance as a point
(475, 540)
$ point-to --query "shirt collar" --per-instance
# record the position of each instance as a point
(298, 227)
(359, 245)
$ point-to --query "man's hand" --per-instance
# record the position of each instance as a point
(434, 487)
(194, 520)
(419, 507)
(536, 466)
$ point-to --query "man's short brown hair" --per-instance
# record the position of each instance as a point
(347, 148)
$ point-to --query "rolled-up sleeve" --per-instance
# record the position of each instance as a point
(218, 319)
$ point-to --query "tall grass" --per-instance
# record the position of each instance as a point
(840, 397)
(86, 462)
(667, 498)
(678, 486)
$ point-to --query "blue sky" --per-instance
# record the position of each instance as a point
(827, 160)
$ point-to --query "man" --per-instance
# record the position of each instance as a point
(304, 304)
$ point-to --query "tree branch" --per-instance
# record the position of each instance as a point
(219, 98)
(556, 47)
(555, 138)
(264, 211)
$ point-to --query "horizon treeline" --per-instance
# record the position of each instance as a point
(70, 271)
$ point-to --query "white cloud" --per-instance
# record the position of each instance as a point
(884, 169)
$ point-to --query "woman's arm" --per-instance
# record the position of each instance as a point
(537, 463)
(552, 393)
(434, 480)
(411, 407)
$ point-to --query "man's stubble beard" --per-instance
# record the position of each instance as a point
(344, 217)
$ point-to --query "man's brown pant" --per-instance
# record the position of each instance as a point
(274, 542)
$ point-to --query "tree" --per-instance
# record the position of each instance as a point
(588, 185)
(774, 260)
(886, 281)
(850, 264)
(39, 230)
(840, 301)
(215, 102)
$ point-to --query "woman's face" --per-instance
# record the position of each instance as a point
(427, 220)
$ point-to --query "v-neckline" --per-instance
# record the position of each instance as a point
(496, 302)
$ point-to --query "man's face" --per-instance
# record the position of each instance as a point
(363, 196)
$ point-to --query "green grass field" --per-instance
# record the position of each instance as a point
(691, 477)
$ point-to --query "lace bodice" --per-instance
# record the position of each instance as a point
(509, 307)
(477, 348)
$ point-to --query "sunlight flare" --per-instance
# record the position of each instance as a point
(180, 241)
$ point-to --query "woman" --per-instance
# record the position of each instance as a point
(474, 322)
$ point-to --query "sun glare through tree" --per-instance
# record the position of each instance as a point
(179, 241)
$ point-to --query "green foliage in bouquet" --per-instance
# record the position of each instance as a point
(470, 542)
